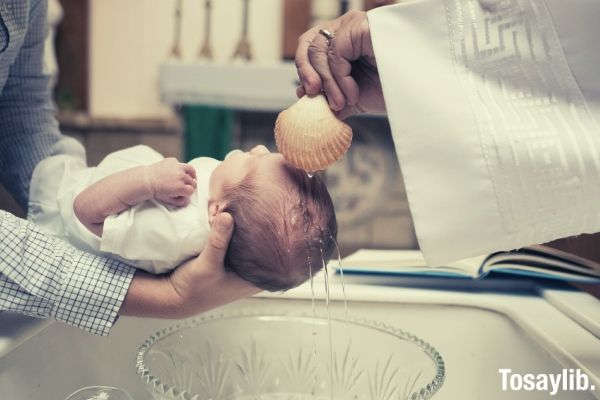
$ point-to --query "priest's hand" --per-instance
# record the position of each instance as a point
(342, 66)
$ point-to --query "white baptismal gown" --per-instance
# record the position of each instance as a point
(150, 235)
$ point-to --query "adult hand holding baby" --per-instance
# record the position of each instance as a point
(197, 285)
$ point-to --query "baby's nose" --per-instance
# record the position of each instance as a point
(232, 152)
(260, 149)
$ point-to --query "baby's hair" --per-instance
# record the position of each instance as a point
(280, 237)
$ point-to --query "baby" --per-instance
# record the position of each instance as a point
(156, 212)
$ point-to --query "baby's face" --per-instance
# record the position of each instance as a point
(269, 171)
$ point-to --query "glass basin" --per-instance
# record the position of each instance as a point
(279, 356)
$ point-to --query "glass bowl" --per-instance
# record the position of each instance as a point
(99, 393)
(279, 356)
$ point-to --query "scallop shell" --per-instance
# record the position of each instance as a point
(310, 136)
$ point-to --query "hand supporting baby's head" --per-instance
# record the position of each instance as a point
(285, 225)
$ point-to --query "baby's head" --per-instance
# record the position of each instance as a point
(285, 226)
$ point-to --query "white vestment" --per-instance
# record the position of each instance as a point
(494, 107)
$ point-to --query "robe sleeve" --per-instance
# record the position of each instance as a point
(494, 109)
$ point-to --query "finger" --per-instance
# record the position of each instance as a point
(340, 66)
(218, 240)
(185, 190)
(348, 111)
(188, 180)
(191, 171)
(310, 79)
(300, 91)
(317, 54)
(179, 201)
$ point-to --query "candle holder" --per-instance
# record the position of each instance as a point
(205, 51)
(243, 50)
(176, 47)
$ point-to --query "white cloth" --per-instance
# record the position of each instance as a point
(494, 109)
(150, 235)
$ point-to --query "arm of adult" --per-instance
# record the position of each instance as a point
(198, 285)
(494, 109)
(41, 275)
(44, 277)
(28, 129)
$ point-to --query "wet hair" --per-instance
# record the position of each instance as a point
(281, 234)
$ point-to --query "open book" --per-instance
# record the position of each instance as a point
(533, 261)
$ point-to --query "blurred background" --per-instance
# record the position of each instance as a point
(200, 77)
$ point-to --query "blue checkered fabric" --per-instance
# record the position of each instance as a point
(41, 275)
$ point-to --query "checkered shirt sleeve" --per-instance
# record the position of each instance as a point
(41, 275)
(45, 277)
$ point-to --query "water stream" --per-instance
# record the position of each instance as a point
(328, 309)
(327, 305)
(327, 302)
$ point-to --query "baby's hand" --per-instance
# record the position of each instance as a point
(172, 182)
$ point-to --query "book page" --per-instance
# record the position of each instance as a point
(542, 259)
(570, 257)
(405, 262)
(532, 271)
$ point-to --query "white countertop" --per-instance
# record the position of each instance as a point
(562, 323)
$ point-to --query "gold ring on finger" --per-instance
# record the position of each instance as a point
(328, 35)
